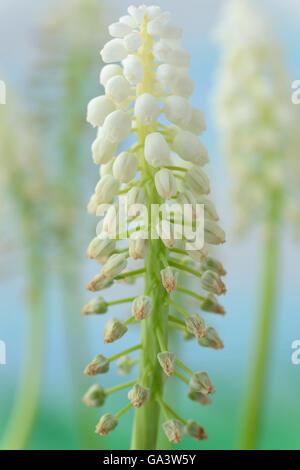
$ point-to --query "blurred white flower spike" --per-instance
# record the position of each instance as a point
(157, 177)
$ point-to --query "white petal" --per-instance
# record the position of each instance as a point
(133, 69)
(119, 30)
(178, 110)
(117, 126)
(157, 152)
(118, 88)
(98, 109)
(132, 42)
(109, 71)
(147, 109)
(114, 51)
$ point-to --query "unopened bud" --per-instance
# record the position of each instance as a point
(138, 245)
(125, 167)
(136, 198)
(195, 325)
(99, 283)
(99, 365)
(199, 397)
(114, 329)
(98, 109)
(95, 306)
(198, 255)
(196, 123)
(133, 69)
(194, 430)
(106, 189)
(103, 150)
(190, 148)
(210, 304)
(178, 110)
(213, 234)
(114, 266)
(118, 89)
(141, 307)
(125, 364)
(213, 265)
(173, 430)
(101, 249)
(187, 335)
(211, 339)
(157, 152)
(138, 395)
(117, 126)
(146, 109)
(95, 396)
(106, 424)
(114, 51)
(209, 208)
(169, 278)
(211, 282)
(200, 382)
(165, 183)
(167, 361)
(197, 181)
(109, 71)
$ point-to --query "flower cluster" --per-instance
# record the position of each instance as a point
(147, 101)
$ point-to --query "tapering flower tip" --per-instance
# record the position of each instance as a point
(178, 110)
(98, 109)
(125, 167)
(141, 307)
(109, 71)
(101, 248)
(213, 265)
(198, 255)
(94, 397)
(213, 234)
(146, 109)
(138, 395)
(95, 306)
(209, 208)
(114, 329)
(99, 365)
(211, 339)
(117, 126)
(157, 152)
(197, 181)
(136, 199)
(106, 424)
(119, 30)
(169, 277)
(195, 325)
(210, 304)
(114, 266)
(173, 430)
(106, 189)
(114, 51)
(102, 150)
(133, 69)
(138, 245)
(200, 382)
(196, 123)
(212, 282)
(118, 89)
(190, 148)
(165, 183)
(99, 283)
(132, 42)
(193, 429)
(125, 364)
(167, 362)
(92, 205)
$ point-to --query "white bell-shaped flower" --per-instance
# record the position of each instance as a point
(117, 126)
(190, 148)
(197, 181)
(165, 183)
(118, 89)
(114, 51)
(103, 150)
(119, 30)
(125, 167)
(109, 71)
(147, 109)
(178, 110)
(98, 109)
(132, 42)
(133, 69)
(157, 152)
(106, 189)
(196, 123)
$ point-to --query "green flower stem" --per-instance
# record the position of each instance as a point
(185, 368)
(176, 326)
(120, 301)
(178, 308)
(123, 353)
(173, 263)
(181, 377)
(137, 272)
(178, 251)
(175, 414)
(162, 406)
(177, 320)
(175, 168)
(191, 293)
(126, 408)
(254, 397)
(120, 387)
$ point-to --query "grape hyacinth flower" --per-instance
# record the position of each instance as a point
(147, 97)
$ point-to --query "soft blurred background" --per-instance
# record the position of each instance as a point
(50, 63)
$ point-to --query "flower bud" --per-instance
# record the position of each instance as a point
(213, 265)
(99, 283)
(114, 266)
(118, 89)
(114, 329)
(129, 20)
(197, 181)
(165, 183)
(173, 431)
(184, 86)
(168, 74)
(95, 306)
(114, 51)
(108, 72)
(169, 278)
(200, 382)
(125, 364)
(95, 396)
(138, 395)
(187, 335)
(177, 110)
(103, 150)
(141, 307)
(210, 304)
(213, 234)
(117, 126)
(106, 189)
(211, 339)
(209, 208)
(190, 148)
(125, 167)
(132, 42)
(196, 123)
(99, 365)
(195, 325)
(169, 233)
(146, 109)
(157, 152)
(106, 169)
(200, 398)
(98, 109)
(106, 424)
(92, 205)
(194, 430)
(138, 245)
(101, 248)
(212, 282)
(167, 361)
(119, 30)
(136, 198)
(198, 255)
(133, 69)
